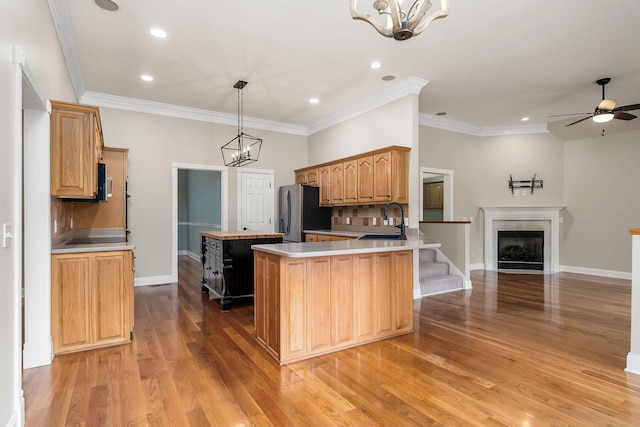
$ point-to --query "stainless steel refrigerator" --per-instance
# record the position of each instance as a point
(300, 210)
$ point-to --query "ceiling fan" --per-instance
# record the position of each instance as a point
(606, 110)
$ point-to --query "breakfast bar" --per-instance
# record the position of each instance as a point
(317, 298)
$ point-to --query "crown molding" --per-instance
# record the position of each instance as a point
(151, 107)
(412, 85)
(61, 21)
(462, 127)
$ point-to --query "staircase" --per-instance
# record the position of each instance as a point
(434, 275)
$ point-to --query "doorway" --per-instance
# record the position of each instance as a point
(436, 195)
(223, 202)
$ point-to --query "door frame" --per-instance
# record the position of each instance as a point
(224, 203)
(241, 195)
(447, 174)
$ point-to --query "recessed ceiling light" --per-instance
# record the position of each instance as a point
(388, 78)
(524, 119)
(314, 100)
(146, 78)
(375, 65)
(159, 33)
(107, 5)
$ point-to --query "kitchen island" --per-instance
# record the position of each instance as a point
(227, 263)
(316, 298)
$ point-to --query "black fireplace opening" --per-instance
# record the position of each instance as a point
(521, 249)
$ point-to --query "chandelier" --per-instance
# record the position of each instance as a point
(243, 148)
(393, 21)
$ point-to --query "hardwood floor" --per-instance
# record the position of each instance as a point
(517, 350)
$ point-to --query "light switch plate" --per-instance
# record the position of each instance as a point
(7, 237)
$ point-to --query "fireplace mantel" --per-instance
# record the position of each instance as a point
(493, 214)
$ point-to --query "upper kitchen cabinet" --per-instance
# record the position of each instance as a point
(76, 148)
(307, 176)
(375, 177)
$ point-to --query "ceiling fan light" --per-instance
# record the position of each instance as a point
(603, 117)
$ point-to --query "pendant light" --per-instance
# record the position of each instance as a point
(244, 148)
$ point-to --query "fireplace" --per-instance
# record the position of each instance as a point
(520, 249)
(518, 219)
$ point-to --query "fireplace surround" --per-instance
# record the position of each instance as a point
(509, 218)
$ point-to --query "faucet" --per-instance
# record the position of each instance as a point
(403, 236)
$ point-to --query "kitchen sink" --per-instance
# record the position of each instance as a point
(382, 237)
(96, 240)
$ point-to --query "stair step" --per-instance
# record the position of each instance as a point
(430, 269)
(427, 255)
(439, 284)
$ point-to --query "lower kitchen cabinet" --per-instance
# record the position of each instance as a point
(91, 300)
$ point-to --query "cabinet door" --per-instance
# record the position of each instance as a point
(426, 195)
(400, 177)
(341, 300)
(363, 296)
(267, 297)
(324, 181)
(318, 291)
(350, 182)
(384, 308)
(337, 184)
(437, 195)
(70, 302)
(73, 167)
(301, 177)
(382, 177)
(402, 276)
(324, 238)
(365, 180)
(294, 313)
(110, 296)
(312, 177)
(310, 237)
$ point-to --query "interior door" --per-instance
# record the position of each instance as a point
(256, 205)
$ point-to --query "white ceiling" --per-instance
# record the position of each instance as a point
(487, 64)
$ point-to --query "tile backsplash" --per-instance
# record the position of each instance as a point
(364, 216)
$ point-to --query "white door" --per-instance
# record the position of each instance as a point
(256, 205)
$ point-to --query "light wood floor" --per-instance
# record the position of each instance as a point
(517, 350)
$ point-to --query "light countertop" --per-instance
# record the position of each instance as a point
(63, 245)
(346, 247)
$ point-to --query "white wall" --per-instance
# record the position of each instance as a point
(25, 23)
(482, 166)
(154, 143)
(601, 194)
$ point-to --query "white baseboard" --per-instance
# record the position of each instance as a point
(596, 272)
(182, 252)
(193, 255)
(633, 364)
(417, 293)
(17, 418)
(153, 280)
(34, 356)
(478, 266)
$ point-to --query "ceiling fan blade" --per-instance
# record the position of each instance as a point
(628, 107)
(621, 115)
(578, 121)
(570, 114)
(607, 104)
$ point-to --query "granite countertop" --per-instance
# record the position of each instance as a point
(347, 247)
(91, 240)
(240, 234)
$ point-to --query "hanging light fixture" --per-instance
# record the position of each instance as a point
(243, 148)
(401, 24)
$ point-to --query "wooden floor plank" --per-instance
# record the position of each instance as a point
(532, 349)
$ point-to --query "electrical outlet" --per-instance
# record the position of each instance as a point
(373, 221)
(55, 226)
(385, 222)
(406, 222)
(390, 221)
(348, 220)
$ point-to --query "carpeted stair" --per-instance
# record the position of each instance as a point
(434, 275)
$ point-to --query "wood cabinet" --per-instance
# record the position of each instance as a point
(76, 147)
(313, 237)
(350, 178)
(376, 177)
(324, 304)
(432, 195)
(365, 180)
(337, 184)
(113, 213)
(324, 182)
(91, 300)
